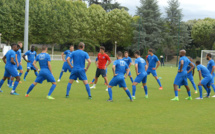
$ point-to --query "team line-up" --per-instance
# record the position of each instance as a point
(74, 62)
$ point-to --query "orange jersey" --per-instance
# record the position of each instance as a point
(102, 60)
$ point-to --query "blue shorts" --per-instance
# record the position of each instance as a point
(12, 71)
(190, 77)
(153, 72)
(207, 81)
(66, 67)
(141, 78)
(45, 75)
(19, 67)
(30, 66)
(118, 80)
(181, 79)
(78, 73)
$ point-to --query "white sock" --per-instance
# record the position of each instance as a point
(94, 85)
(12, 91)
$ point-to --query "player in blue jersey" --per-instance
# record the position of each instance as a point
(65, 64)
(45, 73)
(129, 63)
(31, 54)
(211, 68)
(190, 76)
(78, 68)
(181, 77)
(10, 68)
(151, 61)
(206, 81)
(119, 68)
(140, 68)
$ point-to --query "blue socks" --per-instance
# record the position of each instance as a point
(1, 83)
(189, 93)
(133, 90)
(213, 86)
(176, 93)
(26, 73)
(15, 85)
(30, 88)
(36, 73)
(127, 92)
(20, 74)
(194, 85)
(110, 93)
(159, 82)
(131, 79)
(146, 90)
(200, 91)
(93, 80)
(68, 88)
(51, 89)
(11, 83)
(61, 74)
(88, 89)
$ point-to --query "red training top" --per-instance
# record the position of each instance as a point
(102, 60)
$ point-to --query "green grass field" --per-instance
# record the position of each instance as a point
(78, 115)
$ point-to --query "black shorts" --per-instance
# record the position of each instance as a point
(100, 72)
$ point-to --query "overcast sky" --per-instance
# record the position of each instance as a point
(192, 9)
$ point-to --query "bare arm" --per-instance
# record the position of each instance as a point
(113, 68)
(146, 67)
(147, 63)
(192, 67)
(136, 69)
(130, 65)
(88, 65)
(34, 64)
(200, 75)
(213, 69)
(182, 64)
(49, 65)
(193, 71)
(25, 58)
(68, 61)
(17, 61)
(108, 63)
(4, 59)
(158, 64)
(62, 55)
(12, 61)
(127, 72)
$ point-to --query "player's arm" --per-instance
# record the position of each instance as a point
(17, 60)
(49, 65)
(181, 66)
(193, 71)
(34, 64)
(130, 65)
(109, 61)
(62, 55)
(146, 67)
(4, 59)
(158, 64)
(127, 72)
(192, 67)
(12, 61)
(213, 68)
(25, 58)
(113, 68)
(200, 75)
(136, 69)
(88, 65)
(68, 61)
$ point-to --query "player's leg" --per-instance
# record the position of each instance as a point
(35, 72)
(188, 91)
(11, 82)
(200, 91)
(8, 81)
(134, 89)
(2, 82)
(130, 77)
(54, 84)
(177, 82)
(61, 74)
(145, 87)
(113, 82)
(213, 86)
(92, 81)
(154, 73)
(30, 88)
(69, 87)
(98, 72)
(106, 81)
(26, 73)
(16, 83)
(193, 83)
(87, 88)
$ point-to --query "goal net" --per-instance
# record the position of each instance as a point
(204, 53)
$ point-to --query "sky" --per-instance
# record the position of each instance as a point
(192, 9)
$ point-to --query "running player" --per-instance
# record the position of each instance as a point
(119, 68)
(151, 61)
(211, 68)
(206, 81)
(140, 68)
(181, 77)
(45, 73)
(31, 54)
(78, 68)
(10, 68)
(129, 62)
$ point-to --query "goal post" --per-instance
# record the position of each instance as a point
(204, 53)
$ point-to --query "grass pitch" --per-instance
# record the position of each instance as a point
(78, 115)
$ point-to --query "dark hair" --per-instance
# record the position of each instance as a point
(150, 50)
(13, 45)
(125, 52)
(137, 52)
(44, 47)
(18, 46)
(81, 45)
(119, 53)
(197, 62)
(209, 55)
(32, 46)
(102, 47)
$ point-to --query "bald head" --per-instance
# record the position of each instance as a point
(182, 53)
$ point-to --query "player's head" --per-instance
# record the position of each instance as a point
(150, 51)
(208, 57)
(20, 44)
(44, 48)
(71, 48)
(81, 45)
(32, 48)
(102, 49)
(191, 59)
(137, 54)
(119, 55)
(182, 53)
(197, 62)
(14, 47)
(126, 53)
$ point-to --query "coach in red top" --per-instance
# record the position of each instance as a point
(102, 64)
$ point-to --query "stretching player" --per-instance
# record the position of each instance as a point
(101, 66)
(10, 68)
(45, 73)
(129, 62)
(211, 68)
(190, 76)
(19, 58)
(31, 57)
(151, 61)
(140, 67)
(181, 77)
(206, 81)
(119, 68)
(78, 68)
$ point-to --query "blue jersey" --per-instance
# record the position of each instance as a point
(189, 67)
(152, 60)
(204, 71)
(31, 55)
(141, 64)
(79, 57)
(121, 67)
(67, 53)
(19, 55)
(127, 60)
(210, 65)
(186, 63)
(43, 59)
(10, 54)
